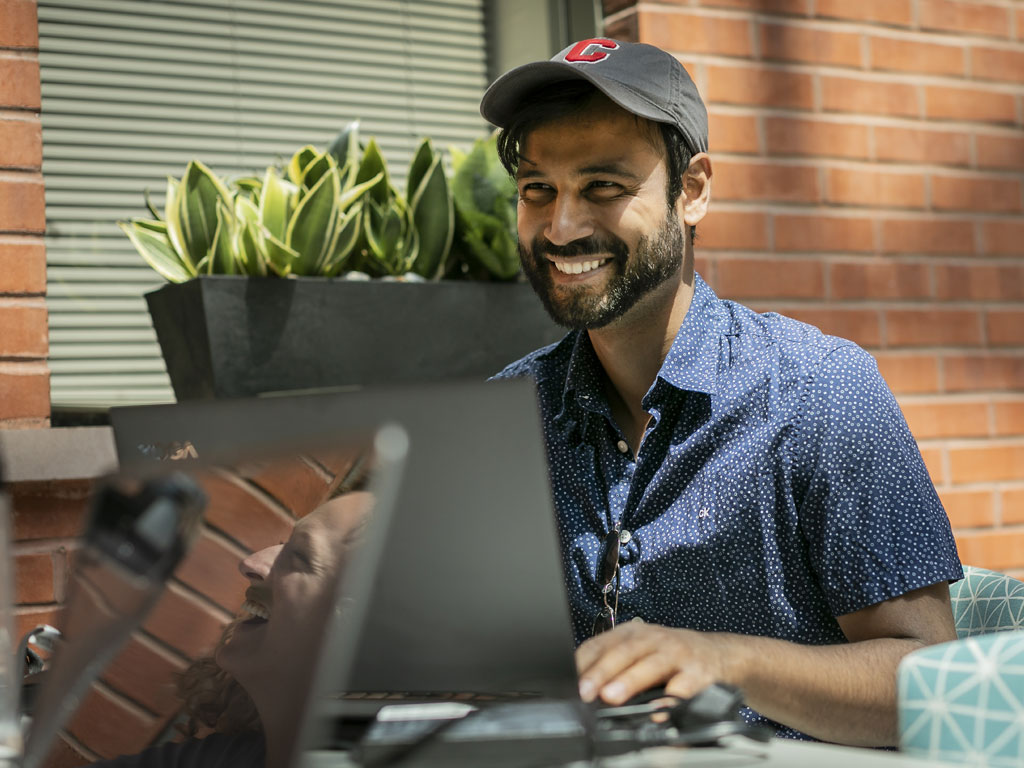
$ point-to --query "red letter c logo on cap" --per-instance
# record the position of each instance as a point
(581, 51)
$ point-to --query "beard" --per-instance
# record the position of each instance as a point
(633, 275)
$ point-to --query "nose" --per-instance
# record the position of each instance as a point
(256, 566)
(570, 220)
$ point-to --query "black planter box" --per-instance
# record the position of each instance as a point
(226, 336)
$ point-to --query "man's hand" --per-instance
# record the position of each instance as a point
(634, 657)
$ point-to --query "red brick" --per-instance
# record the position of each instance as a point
(733, 133)
(211, 569)
(946, 419)
(964, 193)
(846, 186)
(770, 278)
(896, 12)
(44, 510)
(1005, 328)
(973, 104)
(963, 17)
(933, 463)
(869, 97)
(243, 513)
(760, 86)
(33, 578)
(791, 7)
(25, 333)
(823, 233)
(21, 143)
(22, 203)
(857, 325)
(997, 64)
(145, 673)
(979, 282)
(904, 55)
(968, 508)
(911, 145)
(20, 28)
(736, 180)
(1012, 502)
(294, 483)
(185, 622)
(733, 230)
(696, 32)
(109, 726)
(878, 280)
(909, 373)
(995, 550)
(1008, 416)
(813, 45)
(795, 136)
(24, 391)
(19, 82)
(991, 462)
(1004, 152)
(1003, 237)
(66, 755)
(983, 373)
(623, 28)
(927, 236)
(22, 265)
(932, 327)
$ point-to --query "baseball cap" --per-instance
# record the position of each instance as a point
(640, 78)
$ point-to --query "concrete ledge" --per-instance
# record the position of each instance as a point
(66, 453)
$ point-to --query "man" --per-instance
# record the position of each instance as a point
(738, 494)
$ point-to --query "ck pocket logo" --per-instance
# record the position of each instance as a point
(590, 51)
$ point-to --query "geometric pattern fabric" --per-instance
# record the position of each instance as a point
(986, 601)
(963, 702)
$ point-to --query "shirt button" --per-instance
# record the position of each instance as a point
(624, 537)
(622, 446)
(637, 620)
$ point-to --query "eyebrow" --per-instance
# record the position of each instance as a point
(612, 168)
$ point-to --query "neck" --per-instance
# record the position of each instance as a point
(632, 349)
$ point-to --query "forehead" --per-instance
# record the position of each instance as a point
(600, 132)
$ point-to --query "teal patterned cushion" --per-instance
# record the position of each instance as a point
(986, 601)
(963, 702)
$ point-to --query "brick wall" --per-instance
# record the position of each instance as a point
(24, 376)
(135, 699)
(869, 173)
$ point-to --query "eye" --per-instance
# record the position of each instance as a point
(536, 192)
(603, 190)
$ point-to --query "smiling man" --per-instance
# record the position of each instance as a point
(737, 494)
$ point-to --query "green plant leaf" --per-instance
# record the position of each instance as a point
(250, 185)
(348, 236)
(313, 229)
(199, 194)
(372, 165)
(300, 160)
(433, 215)
(224, 256)
(421, 164)
(358, 191)
(279, 257)
(150, 206)
(345, 147)
(157, 251)
(275, 204)
(316, 169)
(175, 232)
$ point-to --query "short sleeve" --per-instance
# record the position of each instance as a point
(874, 526)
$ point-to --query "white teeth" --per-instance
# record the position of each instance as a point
(578, 267)
(256, 609)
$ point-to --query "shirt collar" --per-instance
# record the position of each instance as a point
(691, 363)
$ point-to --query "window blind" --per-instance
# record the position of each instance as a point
(132, 90)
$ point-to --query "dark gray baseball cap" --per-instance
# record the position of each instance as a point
(638, 77)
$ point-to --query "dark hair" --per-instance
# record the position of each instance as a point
(568, 97)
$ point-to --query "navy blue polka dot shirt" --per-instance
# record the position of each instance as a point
(777, 485)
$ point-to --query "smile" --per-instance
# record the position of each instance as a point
(258, 610)
(578, 267)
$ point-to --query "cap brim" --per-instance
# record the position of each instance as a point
(502, 100)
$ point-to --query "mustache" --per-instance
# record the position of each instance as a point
(585, 246)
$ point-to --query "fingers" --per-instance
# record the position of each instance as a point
(617, 665)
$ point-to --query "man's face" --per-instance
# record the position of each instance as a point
(596, 234)
(289, 601)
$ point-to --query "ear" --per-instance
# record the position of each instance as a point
(693, 202)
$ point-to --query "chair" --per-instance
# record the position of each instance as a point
(963, 702)
(986, 601)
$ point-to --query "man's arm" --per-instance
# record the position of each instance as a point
(839, 693)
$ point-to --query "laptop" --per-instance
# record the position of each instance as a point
(456, 593)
